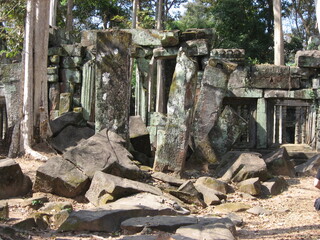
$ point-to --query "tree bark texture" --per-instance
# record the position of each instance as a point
(69, 21)
(278, 34)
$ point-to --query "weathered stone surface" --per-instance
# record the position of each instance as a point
(239, 78)
(274, 186)
(168, 178)
(245, 93)
(55, 51)
(71, 75)
(113, 82)
(4, 210)
(247, 165)
(226, 131)
(272, 77)
(139, 135)
(103, 152)
(221, 229)
(308, 59)
(161, 223)
(70, 136)
(165, 53)
(278, 163)
(311, 166)
(232, 55)
(65, 103)
(13, 182)
(214, 184)
(189, 198)
(107, 188)
(109, 218)
(297, 94)
(171, 154)
(197, 47)
(150, 37)
(231, 207)
(70, 118)
(34, 221)
(55, 59)
(61, 177)
(251, 186)
(258, 211)
(210, 196)
(72, 50)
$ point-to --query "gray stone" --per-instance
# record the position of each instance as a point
(174, 181)
(70, 136)
(55, 51)
(171, 155)
(139, 135)
(70, 118)
(189, 198)
(160, 223)
(157, 118)
(71, 75)
(103, 152)
(309, 167)
(107, 188)
(226, 131)
(53, 78)
(247, 165)
(214, 184)
(272, 77)
(232, 55)
(231, 207)
(251, 186)
(113, 82)
(278, 163)
(4, 211)
(165, 53)
(109, 218)
(308, 59)
(221, 229)
(55, 207)
(236, 219)
(55, 59)
(239, 78)
(258, 211)
(274, 186)
(13, 182)
(34, 221)
(210, 195)
(65, 103)
(53, 70)
(197, 47)
(61, 177)
(72, 50)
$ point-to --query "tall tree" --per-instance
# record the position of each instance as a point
(278, 34)
(69, 21)
(35, 98)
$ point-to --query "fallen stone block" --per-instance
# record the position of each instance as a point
(104, 152)
(251, 186)
(109, 218)
(139, 135)
(278, 163)
(210, 196)
(188, 198)
(168, 178)
(61, 177)
(309, 167)
(160, 223)
(214, 184)
(274, 186)
(4, 211)
(13, 182)
(106, 188)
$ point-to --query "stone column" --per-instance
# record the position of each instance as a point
(113, 82)
(261, 123)
(87, 90)
(171, 152)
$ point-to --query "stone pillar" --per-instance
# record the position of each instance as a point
(87, 90)
(261, 123)
(113, 82)
(160, 107)
(171, 152)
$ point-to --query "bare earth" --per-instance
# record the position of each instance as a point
(292, 212)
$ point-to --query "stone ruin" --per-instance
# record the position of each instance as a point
(189, 106)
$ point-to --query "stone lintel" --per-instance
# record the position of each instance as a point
(308, 59)
(245, 93)
(297, 94)
(165, 53)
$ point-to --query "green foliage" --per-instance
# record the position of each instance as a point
(12, 15)
(36, 202)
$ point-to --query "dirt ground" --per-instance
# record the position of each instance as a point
(292, 214)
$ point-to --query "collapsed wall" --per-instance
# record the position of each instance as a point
(197, 101)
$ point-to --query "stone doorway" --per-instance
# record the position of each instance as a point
(292, 122)
(247, 110)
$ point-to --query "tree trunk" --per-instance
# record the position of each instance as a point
(53, 13)
(159, 15)
(35, 103)
(318, 14)
(278, 34)
(135, 11)
(69, 23)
